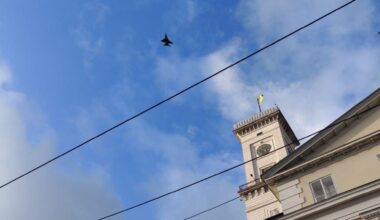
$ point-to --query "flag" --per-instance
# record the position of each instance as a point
(260, 99)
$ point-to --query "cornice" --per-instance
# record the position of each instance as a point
(256, 117)
(333, 201)
(252, 189)
(343, 150)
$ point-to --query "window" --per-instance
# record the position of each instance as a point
(323, 188)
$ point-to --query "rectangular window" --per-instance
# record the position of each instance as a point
(323, 188)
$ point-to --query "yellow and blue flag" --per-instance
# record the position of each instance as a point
(260, 98)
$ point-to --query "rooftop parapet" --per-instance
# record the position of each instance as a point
(256, 117)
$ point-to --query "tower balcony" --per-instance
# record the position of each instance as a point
(252, 188)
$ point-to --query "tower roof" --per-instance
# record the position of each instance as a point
(261, 119)
(256, 117)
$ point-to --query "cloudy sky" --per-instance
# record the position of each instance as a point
(70, 69)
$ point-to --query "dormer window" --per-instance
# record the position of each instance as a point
(263, 149)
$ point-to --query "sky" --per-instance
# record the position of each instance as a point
(71, 69)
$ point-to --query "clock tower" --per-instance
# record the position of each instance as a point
(263, 136)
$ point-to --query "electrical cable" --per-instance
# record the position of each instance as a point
(214, 207)
(238, 165)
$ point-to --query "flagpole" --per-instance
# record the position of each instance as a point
(258, 103)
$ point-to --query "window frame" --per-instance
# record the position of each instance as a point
(323, 188)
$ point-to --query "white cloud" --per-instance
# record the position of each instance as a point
(321, 66)
(313, 76)
(308, 102)
(233, 95)
(47, 193)
(88, 31)
(268, 19)
(169, 160)
(182, 164)
(5, 74)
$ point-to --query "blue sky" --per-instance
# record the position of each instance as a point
(70, 69)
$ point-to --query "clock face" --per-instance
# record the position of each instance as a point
(263, 149)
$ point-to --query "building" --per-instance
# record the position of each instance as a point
(334, 175)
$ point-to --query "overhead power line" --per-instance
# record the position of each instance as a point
(172, 96)
(327, 152)
(236, 166)
(212, 208)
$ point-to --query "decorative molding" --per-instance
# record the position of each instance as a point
(285, 194)
(252, 189)
(288, 184)
(340, 198)
(256, 125)
(258, 121)
(290, 196)
(371, 214)
(256, 117)
(322, 137)
(344, 150)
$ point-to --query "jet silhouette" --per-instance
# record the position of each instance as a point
(166, 41)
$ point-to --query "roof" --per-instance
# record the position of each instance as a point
(331, 131)
(256, 117)
(260, 119)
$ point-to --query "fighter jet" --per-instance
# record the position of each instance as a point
(166, 41)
